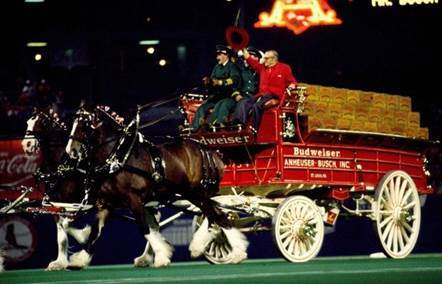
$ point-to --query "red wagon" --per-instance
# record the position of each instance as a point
(302, 178)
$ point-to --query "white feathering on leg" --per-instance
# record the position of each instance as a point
(62, 239)
(80, 235)
(146, 259)
(238, 242)
(1, 261)
(80, 259)
(162, 250)
(201, 239)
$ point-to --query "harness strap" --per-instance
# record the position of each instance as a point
(210, 174)
(157, 162)
(124, 147)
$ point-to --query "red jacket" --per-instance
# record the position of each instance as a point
(273, 80)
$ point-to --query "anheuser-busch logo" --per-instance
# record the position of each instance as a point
(18, 164)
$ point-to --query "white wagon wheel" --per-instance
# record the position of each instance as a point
(219, 250)
(397, 214)
(298, 229)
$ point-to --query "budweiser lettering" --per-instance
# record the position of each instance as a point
(314, 152)
(225, 140)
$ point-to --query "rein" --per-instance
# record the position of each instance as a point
(150, 123)
(155, 104)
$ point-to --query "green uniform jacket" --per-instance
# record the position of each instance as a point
(231, 76)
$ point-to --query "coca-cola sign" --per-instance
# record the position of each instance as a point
(16, 168)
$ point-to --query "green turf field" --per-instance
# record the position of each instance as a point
(418, 269)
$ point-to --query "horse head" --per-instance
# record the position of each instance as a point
(93, 130)
(41, 126)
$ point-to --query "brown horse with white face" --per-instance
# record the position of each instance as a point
(130, 172)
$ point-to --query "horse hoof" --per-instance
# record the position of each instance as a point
(79, 260)
(196, 250)
(143, 261)
(238, 256)
(161, 261)
(56, 266)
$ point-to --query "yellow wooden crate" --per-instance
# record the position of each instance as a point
(352, 97)
(392, 102)
(339, 96)
(399, 129)
(401, 117)
(366, 98)
(379, 101)
(325, 94)
(343, 123)
(335, 109)
(385, 127)
(370, 126)
(375, 114)
(357, 125)
(423, 133)
(414, 118)
(404, 103)
(340, 108)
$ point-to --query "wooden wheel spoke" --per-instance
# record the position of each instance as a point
(386, 232)
(410, 205)
(407, 226)
(404, 185)
(400, 238)
(397, 183)
(406, 196)
(285, 234)
(387, 220)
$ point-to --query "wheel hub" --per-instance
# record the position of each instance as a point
(399, 215)
(298, 229)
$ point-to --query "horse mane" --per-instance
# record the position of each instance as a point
(112, 115)
(52, 115)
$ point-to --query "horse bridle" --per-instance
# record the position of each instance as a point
(46, 120)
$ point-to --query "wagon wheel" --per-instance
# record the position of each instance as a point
(397, 214)
(219, 250)
(298, 229)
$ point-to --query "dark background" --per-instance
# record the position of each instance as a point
(93, 49)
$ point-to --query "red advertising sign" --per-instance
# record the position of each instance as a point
(16, 169)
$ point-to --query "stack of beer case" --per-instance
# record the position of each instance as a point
(356, 110)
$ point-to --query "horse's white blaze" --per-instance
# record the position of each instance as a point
(70, 146)
(30, 143)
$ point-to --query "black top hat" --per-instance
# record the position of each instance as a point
(223, 49)
(254, 51)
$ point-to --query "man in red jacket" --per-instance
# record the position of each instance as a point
(274, 78)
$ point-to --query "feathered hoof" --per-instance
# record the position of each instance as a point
(238, 256)
(161, 260)
(57, 265)
(79, 260)
(143, 261)
(196, 250)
